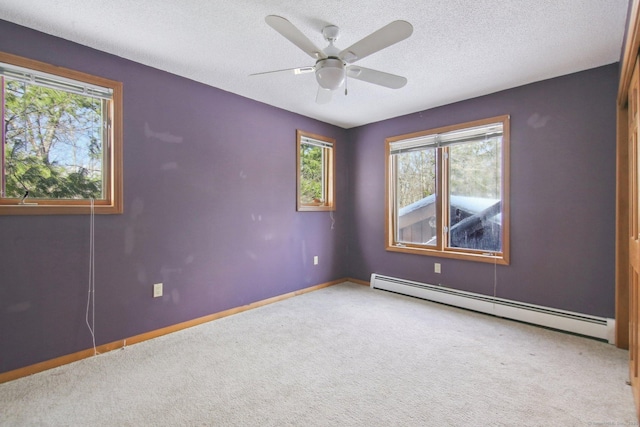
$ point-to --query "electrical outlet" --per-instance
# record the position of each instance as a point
(315, 260)
(157, 290)
(436, 267)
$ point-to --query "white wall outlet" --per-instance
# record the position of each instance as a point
(315, 260)
(436, 267)
(157, 290)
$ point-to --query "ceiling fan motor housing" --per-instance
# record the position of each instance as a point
(330, 73)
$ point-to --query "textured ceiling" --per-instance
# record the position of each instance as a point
(459, 49)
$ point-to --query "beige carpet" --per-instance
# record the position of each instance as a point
(342, 356)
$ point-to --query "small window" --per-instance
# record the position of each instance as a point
(447, 191)
(61, 140)
(315, 172)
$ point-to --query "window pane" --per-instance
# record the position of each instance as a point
(312, 174)
(475, 199)
(53, 143)
(447, 191)
(315, 181)
(415, 196)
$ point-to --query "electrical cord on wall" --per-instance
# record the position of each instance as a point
(495, 276)
(495, 281)
(91, 295)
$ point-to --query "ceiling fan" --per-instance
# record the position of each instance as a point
(332, 65)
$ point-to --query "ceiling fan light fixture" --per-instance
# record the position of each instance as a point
(330, 73)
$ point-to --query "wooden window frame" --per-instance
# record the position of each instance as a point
(441, 250)
(113, 182)
(328, 204)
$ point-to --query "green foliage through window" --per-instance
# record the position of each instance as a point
(311, 173)
(53, 142)
(61, 140)
(315, 159)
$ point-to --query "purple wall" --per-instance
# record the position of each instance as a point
(563, 142)
(209, 211)
(210, 208)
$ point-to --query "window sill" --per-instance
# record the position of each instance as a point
(311, 208)
(468, 256)
(66, 209)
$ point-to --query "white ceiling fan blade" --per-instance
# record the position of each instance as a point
(323, 96)
(376, 77)
(386, 36)
(294, 35)
(299, 70)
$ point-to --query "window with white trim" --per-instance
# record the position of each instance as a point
(447, 191)
(315, 172)
(61, 140)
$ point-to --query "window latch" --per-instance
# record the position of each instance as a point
(22, 201)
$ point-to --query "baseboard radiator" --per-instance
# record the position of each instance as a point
(582, 324)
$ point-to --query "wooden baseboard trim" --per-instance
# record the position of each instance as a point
(358, 281)
(104, 348)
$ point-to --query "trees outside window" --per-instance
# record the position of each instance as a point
(315, 172)
(61, 140)
(53, 143)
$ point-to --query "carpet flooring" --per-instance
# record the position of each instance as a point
(345, 355)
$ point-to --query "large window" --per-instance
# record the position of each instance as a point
(61, 140)
(315, 175)
(447, 191)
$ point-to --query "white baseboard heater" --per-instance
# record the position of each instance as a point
(583, 324)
